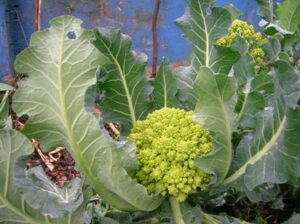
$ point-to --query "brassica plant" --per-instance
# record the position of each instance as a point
(229, 122)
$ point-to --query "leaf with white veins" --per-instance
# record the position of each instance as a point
(202, 25)
(271, 153)
(124, 84)
(165, 87)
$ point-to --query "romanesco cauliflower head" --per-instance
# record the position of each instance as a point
(167, 143)
(255, 40)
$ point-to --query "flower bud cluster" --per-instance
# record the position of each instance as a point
(168, 142)
(255, 40)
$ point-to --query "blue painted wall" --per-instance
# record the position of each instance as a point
(133, 17)
(4, 44)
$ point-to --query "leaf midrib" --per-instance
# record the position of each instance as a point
(82, 163)
(206, 36)
(228, 133)
(165, 87)
(124, 83)
(258, 155)
(73, 143)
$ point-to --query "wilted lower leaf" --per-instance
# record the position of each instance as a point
(13, 207)
(43, 194)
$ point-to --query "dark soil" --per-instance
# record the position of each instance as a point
(263, 211)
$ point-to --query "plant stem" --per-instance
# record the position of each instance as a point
(154, 36)
(176, 210)
(208, 219)
(37, 19)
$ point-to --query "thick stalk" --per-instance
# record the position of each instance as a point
(176, 210)
(207, 219)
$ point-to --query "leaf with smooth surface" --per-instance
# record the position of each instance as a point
(124, 85)
(216, 101)
(165, 87)
(288, 15)
(271, 153)
(60, 69)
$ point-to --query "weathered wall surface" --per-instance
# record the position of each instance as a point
(133, 17)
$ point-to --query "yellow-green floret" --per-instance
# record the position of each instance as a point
(168, 142)
(255, 40)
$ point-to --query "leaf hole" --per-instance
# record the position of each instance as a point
(71, 35)
(208, 11)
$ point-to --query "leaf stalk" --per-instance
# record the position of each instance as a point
(176, 211)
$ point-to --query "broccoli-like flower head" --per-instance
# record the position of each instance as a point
(255, 40)
(167, 143)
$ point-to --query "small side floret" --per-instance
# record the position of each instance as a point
(255, 40)
(168, 142)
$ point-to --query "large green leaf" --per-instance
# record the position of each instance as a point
(13, 207)
(216, 101)
(271, 153)
(61, 63)
(202, 25)
(124, 85)
(265, 9)
(165, 87)
(288, 15)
